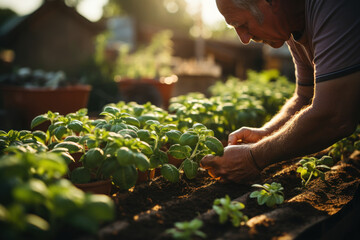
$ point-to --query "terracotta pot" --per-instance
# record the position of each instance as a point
(145, 176)
(31, 102)
(128, 85)
(97, 187)
(77, 162)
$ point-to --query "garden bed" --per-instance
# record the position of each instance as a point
(151, 208)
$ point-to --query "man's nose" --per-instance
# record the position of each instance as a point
(244, 36)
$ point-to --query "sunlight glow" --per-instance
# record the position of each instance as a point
(210, 13)
(91, 9)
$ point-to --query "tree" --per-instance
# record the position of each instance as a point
(162, 13)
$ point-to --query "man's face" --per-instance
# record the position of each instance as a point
(271, 31)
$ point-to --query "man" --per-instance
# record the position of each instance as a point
(324, 39)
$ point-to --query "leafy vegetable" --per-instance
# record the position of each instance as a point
(270, 194)
(187, 230)
(310, 167)
(226, 209)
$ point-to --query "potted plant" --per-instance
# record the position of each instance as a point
(36, 202)
(148, 68)
(28, 93)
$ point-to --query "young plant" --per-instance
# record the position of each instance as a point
(187, 230)
(310, 167)
(226, 208)
(23, 140)
(37, 202)
(60, 127)
(194, 144)
(270, 194)
(159, 136)
(346, 146)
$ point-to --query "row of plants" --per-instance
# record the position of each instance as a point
(234, 103)
(42, 170)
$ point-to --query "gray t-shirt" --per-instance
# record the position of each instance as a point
(329, 47)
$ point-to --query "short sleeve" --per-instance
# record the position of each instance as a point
(304, 70)
(335, 27)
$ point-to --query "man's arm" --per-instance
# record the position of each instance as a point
(301, 98)
(333, 115)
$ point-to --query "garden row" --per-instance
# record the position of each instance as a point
(42, 171)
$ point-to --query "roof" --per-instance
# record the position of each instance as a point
(16, 24)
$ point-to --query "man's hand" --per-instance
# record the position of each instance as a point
(246, 135)
(236, 165)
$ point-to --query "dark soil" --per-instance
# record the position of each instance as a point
(150, 208)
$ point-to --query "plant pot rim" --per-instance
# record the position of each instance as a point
(84, 87)
(94, 183)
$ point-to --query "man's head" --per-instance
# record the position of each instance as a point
(257, 20)
(250, 5)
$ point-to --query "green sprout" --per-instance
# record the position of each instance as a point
(226, 208)
(310, 167)
(187, 230)
(270, 194)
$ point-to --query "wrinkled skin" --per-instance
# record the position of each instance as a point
(236, 165)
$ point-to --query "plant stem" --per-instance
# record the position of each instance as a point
(309, 178)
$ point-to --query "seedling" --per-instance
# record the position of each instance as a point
(194, 144)
(310, 167)
(187, 230)
(226, 208)
(270, 194)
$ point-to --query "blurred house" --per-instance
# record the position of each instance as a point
(54, 37)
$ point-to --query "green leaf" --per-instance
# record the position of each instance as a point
(199, 126)
(214, 145)
(125, 156)
(32, 192)
(132, 121)
(112, 110)
(279, 199)
(180, 152)
(71, 146)
(40, 136)
(189, 138)
(170, 172)
(99, 207)
(128, 133)
(145, 148)
(93, 158)
(109, 167)
(76, 126)
(190, 168)
(255, 194)
(59, 132)
(158, 158)
(262, 198)
(144, 135)
(80, 175)
(38, 120)
(271, 201)
(142, 162)
(72, 139)
(173, 136)
(125, 177)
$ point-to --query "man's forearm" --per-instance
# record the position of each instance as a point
(289, 109)
(307, 132)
